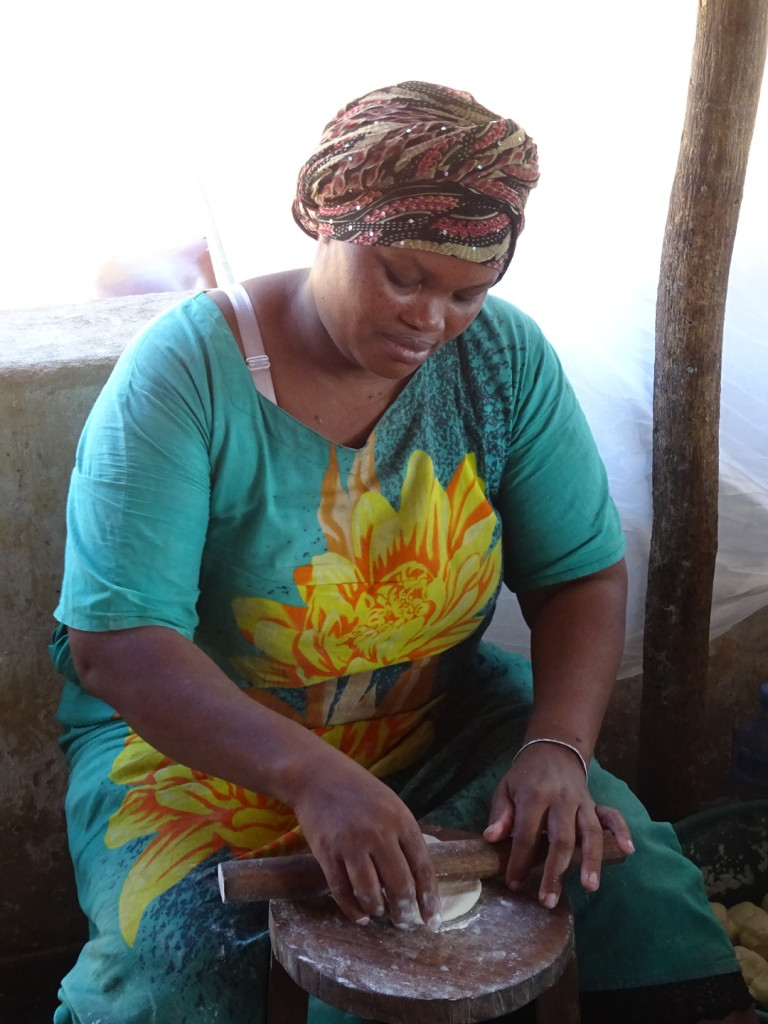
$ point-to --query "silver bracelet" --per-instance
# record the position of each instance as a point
(559, 743)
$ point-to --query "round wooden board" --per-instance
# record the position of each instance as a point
(500, 956)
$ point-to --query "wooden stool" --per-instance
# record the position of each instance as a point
(507, 952)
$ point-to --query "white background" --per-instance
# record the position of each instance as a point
(141, 126)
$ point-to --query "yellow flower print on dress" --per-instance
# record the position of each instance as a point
(191, 817)
(393, 588)
(394, 585)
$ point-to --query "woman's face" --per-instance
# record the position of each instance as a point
(387, 309)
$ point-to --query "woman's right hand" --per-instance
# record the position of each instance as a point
(369, 846)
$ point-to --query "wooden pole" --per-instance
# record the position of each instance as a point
(728, 60)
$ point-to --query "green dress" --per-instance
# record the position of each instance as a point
(347, 589)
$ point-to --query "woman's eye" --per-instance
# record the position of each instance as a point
(397, 281)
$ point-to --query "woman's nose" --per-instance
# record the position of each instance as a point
(426, 313)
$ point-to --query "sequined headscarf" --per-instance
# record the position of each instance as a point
(420, 166)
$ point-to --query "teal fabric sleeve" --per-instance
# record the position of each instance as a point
(560, 522)
(137, 512)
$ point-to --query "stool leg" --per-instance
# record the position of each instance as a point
(286, 1002)
(560, 1004)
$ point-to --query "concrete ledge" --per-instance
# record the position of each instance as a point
(53, 363)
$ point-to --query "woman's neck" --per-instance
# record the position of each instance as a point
(312, 379)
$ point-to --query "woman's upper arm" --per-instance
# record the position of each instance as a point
(532, 601)
(124, 667)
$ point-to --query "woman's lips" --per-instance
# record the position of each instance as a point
(412, 350)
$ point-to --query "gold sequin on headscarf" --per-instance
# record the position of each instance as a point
(420, 166)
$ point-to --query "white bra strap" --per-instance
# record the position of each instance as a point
(256, 358)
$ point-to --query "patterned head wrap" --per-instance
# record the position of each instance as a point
(420, 166)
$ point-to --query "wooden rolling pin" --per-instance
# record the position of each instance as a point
(300, 876)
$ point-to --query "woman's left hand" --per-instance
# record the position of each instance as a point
(544, 797)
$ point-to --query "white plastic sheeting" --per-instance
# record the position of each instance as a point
(109, 143)
(606, 342)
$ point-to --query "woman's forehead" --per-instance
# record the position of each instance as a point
(453, 271)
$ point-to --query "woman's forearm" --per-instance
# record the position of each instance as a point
(181, 703)
(577, 637)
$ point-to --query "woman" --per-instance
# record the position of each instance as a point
(334, 547)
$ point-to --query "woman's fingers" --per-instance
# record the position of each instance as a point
(427, 893)
(371, 882)
(379, 864)
(545, 802)
(591, 838)
(526, 843)
(614, 821)
(501, 818)
(361, 899)
(591, 827)
(561, 837)
(397, 878)
(398, 882)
